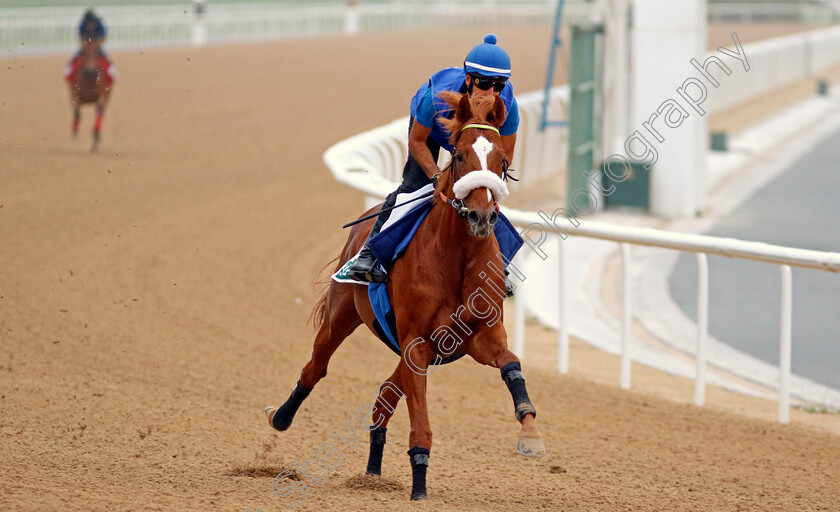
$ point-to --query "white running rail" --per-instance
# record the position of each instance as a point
(774, 63)
(785, 257)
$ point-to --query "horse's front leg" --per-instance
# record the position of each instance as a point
(413, 376)
(492, 350)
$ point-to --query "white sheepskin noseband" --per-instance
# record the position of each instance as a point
(477, 179)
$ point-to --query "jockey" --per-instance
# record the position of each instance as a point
(91, 30)
(485, 72)
(91, 36)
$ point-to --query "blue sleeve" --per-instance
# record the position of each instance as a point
(425, 113)
(511, 123)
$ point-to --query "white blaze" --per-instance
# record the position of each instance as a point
(482, 148)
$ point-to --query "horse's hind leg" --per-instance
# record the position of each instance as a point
(390, 393)
(338, 320)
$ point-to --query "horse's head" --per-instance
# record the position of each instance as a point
(479, 160)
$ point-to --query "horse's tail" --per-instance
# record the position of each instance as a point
(319, 312)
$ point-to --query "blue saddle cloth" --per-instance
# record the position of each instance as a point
(392, 242)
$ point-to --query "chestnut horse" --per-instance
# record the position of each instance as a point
(434, 292)
(90, 79)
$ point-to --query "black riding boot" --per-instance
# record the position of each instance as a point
(366, 267)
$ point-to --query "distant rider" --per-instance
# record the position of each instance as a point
(91, 37)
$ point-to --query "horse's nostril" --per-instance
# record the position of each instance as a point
(493, 217)
(473, 217)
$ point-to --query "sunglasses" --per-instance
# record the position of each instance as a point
(485, 83)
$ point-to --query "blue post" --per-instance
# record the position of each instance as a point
(556, 41)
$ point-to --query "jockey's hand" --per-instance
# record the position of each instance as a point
(436, 175)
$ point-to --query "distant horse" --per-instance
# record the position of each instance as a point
(91, 78)
(434, 292)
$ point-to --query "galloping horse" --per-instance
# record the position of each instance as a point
(434, 289)
(90, 77)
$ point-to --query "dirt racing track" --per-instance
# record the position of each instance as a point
(154, 298)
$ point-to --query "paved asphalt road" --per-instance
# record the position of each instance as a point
(800, 208)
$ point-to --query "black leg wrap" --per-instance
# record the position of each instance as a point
(419, 463)
(286, 413)
(512, 375)
(377, 444)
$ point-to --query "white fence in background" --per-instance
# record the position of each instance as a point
(763, 12)
(49, 30)
(773, 63)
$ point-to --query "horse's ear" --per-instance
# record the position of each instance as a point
(499, 112)
(463, 112)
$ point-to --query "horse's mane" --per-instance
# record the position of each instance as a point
(481, 113)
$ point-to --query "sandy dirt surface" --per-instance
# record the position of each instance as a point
(154, 297)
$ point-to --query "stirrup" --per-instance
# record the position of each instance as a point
(366, 268)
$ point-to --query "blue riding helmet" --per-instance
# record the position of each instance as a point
(487, 59)
(91, 26)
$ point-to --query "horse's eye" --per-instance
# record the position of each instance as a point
(459, 157)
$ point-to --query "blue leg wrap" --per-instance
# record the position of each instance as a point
(286, 413)
(515, 380)
(419, 464)
(377, 445)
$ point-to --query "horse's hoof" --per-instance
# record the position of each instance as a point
(419, 496)
(269, 413)
(530, 447)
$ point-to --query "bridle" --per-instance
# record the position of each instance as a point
(456, 203)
